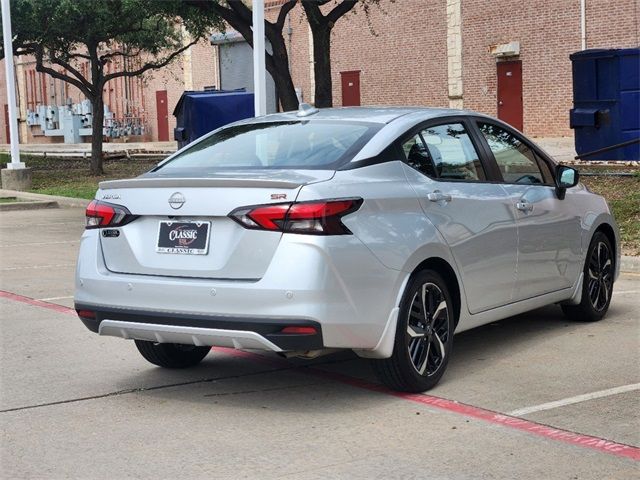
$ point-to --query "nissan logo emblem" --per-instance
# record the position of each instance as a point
(176, 200)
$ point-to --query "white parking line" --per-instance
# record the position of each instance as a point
(41, 224)
(624, 292)
(37, 267)
(54, 298)
(577, 399)
(39, 243)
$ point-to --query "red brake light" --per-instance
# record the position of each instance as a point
(270, 217)
(299, 330)
(101, 214)
(315, 218)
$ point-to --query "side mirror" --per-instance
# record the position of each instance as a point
(566, 177)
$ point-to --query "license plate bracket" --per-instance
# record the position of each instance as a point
(183, 237)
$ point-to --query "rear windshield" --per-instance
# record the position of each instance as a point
(307, 144)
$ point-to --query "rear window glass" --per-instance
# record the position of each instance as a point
(300, 145)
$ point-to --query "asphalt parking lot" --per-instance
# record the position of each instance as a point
(534, 396)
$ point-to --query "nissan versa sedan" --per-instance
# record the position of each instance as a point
(379, 230)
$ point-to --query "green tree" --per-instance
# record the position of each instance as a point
(322, 16)
(64, 33)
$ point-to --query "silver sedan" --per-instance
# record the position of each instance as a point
(380, 230)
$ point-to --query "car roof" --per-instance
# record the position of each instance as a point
(373, 114)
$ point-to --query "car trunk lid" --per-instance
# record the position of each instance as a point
(201, 205)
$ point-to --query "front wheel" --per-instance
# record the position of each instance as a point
(171, 355)
(597, 283)
(424, 336)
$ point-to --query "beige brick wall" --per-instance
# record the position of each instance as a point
(548, 32)
(404, 63)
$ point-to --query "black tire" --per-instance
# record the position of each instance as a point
(171, 355)
(597, 284)
(420, 358)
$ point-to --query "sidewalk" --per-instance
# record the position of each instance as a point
(562, 149)
(84, 149)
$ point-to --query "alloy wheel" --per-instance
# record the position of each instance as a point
(428, 329)
(600, 273)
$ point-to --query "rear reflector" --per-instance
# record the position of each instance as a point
(300, 330)
(86, 313)
(321, 217)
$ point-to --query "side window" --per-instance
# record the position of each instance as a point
(418, 156)
(516, 161)
(453, 153)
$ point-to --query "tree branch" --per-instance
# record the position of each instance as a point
(284, 11)
(40, 67)
(67, 66)
(149, 66)
(339, 10)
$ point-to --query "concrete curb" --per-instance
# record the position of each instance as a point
(13, 206)
(630, 264)
(65, 202)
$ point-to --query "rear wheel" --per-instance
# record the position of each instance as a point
(424, 336)
(597, 283)
(171, 355)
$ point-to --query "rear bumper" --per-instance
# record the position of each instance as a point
(334, 283)
(201, 330)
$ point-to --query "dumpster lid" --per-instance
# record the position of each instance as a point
(206, 94)
(604, 52)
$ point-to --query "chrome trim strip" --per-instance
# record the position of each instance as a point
(151, 332)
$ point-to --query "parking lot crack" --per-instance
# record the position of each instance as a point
(262, 390)
(173, 385)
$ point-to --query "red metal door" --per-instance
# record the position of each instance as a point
(162, 111)
(510, 93)
(350, 88)
(6, 123)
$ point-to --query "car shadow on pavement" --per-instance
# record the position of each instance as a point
(293, 385)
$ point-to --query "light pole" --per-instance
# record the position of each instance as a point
(11, 87)
(259, 73)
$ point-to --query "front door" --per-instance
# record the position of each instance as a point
(162, 112)
(350, 88)
(510, 93)
(474, 216)
(549, 232)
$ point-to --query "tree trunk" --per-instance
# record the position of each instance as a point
(96, 134)
(322, 66)
(279, 70)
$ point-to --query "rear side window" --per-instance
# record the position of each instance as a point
(517, 162)
(297, 144)
(444, 152)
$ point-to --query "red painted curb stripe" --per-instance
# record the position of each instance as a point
(566, 436)
(37, 303)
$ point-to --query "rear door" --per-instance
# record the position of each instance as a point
(172, 211)
(473, 214)
(548, 228)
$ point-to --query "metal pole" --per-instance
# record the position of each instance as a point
(11, 86)
(583, 24)
(259, 72)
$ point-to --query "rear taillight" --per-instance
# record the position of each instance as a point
(323, 217)
(101, 214)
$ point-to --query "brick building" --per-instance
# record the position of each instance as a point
(473, 54)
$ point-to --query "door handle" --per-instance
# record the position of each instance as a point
(438, 196)
(524, 206)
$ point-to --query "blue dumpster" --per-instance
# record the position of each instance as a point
(606, 103)
(198, 113)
